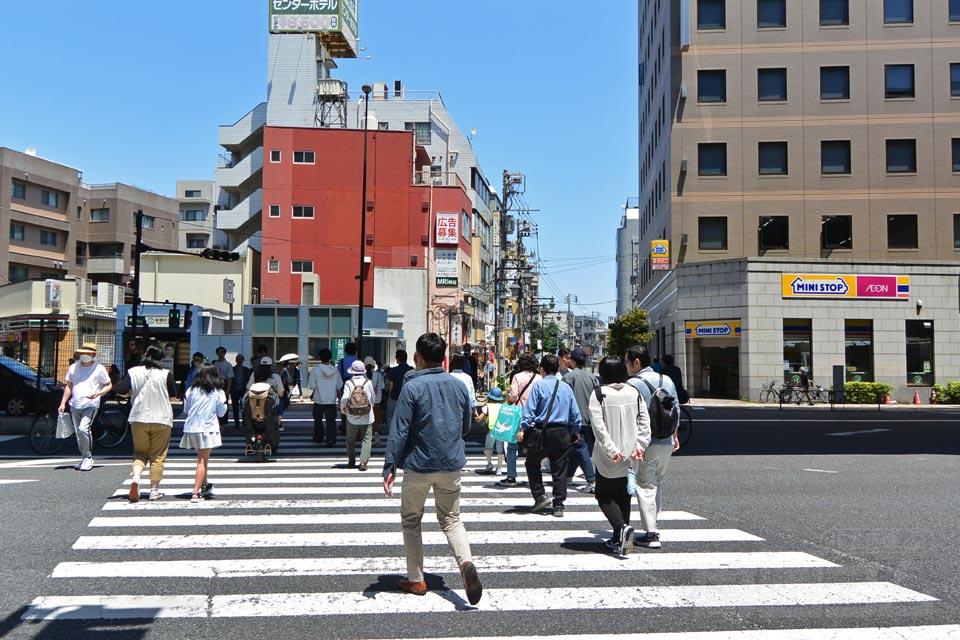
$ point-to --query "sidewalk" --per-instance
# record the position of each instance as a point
(741, 404)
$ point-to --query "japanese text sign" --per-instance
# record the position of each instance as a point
(447, 228)
(815, 285)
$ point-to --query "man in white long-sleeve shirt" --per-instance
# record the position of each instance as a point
(656, 457)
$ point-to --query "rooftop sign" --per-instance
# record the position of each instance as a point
(334, 22)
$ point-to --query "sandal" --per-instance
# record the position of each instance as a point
(195, 497)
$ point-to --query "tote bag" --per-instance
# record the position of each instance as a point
(508, 423)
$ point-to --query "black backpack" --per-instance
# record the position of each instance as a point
(663, 409)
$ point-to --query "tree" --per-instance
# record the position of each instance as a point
(630, 329)
(547, 334)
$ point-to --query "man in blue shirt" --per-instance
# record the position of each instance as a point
(432, 416)
(550, 424)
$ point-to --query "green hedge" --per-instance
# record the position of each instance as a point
(865, 392)
(949, 394)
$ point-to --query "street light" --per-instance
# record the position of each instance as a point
(363, 217)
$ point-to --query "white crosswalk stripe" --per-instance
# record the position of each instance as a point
(327, 525)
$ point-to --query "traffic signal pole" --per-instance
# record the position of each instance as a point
(138, 221)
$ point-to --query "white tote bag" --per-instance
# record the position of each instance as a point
(65, 427)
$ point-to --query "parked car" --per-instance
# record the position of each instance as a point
(19, 391)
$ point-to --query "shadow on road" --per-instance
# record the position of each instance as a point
(74, 629)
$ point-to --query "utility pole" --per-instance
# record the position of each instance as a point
(138, 248)
(363, 219)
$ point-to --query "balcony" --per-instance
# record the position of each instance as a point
(234, 135)
(109, 264)
(240, 174)
(438, 179)
(238, 216)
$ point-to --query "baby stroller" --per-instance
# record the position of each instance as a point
(261, 421)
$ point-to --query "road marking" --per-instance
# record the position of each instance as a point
(42, 462)
(820, 471)
(273, 519)
(16, 481)
(275, 605)
(939, 632)
(857, 433)
(362, 503)
(8, 438)
(356, 478)
(388, 539)
(294, 490)
(568, 562)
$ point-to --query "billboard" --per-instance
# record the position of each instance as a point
(660, 255)
(826, 286)
(334, 21)
(447, 228)
(448, 267)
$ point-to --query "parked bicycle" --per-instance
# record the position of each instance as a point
(769, 392)
(110, 427)
(685, 430)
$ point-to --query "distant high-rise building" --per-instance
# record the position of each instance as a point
(628, 246)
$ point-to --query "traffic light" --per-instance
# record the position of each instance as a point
(217, 254)
(174, 317)
(187, 319)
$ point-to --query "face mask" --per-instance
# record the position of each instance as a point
(86, 359)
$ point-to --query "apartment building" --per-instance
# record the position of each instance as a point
(628, 252)
(198, 216)
(803, 160)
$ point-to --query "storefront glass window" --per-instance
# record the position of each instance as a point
(858, 336)
(797, 348)
(263, 322)
(319, 324)
(920, 353)
(314, 346)
(341, 324)
(287, 324)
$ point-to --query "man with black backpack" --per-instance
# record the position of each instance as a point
(660, 396)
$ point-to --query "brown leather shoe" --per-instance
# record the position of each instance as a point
(416, 588)
(134, 492)
(471, 582)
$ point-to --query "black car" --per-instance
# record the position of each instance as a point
(19, 391)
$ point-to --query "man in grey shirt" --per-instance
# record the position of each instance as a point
(656, 458)
(583, 383)
(225, 369)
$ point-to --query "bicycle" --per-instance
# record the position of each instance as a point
(685, 430)
(109, 428)
(769, 393)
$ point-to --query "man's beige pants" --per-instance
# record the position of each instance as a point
(446, 497)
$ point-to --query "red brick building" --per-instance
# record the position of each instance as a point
(312, 181)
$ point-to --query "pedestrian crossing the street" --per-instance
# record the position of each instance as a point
(303, 537)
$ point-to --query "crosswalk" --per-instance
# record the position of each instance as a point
(303, 537)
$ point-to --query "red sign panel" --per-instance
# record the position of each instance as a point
(447, 228)
(876, 286)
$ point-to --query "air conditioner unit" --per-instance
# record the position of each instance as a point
(380, 91)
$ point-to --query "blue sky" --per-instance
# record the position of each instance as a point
(133, 92)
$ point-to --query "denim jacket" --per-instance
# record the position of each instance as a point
(430, 420)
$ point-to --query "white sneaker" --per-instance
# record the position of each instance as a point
(155, 495)
(86, 464)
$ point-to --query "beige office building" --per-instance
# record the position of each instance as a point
(803, 160)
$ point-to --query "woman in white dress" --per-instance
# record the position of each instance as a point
(204, 403)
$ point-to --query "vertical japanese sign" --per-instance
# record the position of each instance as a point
(660, 255)
(448, 267)
(447, 229)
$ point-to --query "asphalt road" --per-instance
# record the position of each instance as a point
(810, 520)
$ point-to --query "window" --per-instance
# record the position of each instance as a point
(274, 155)
(902, 231)
(956, 231)
(899, 81)
(48, 238)
(147, 222)
(897, 11)
(774, 233)
(18, 190)
(858, 336)
(834, 83)
(712, 159)
(835, 157)
(836, 232)
(301, 266)
(771, 85)
(954, 80)
(421, 132)
(191, 193)
(17, 231)
(920, 353)
(955, 152)
(304, 157)
(954, 10)
(197, 240)
(772, 158)
(16, 273)
(49, 198)
(274, 211)
(711, 14)
(273, 266)
(711, 85)
(712, 231)
(193, 215)
(383, 126)
(797, 348)
(771, 13)
(834, 13)
(99, 215)
(302, 211)
(901, 156)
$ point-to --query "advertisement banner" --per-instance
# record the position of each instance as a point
(826, 286)
(335, 20)
(447, 229)
(713, 329)
(448, 267)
